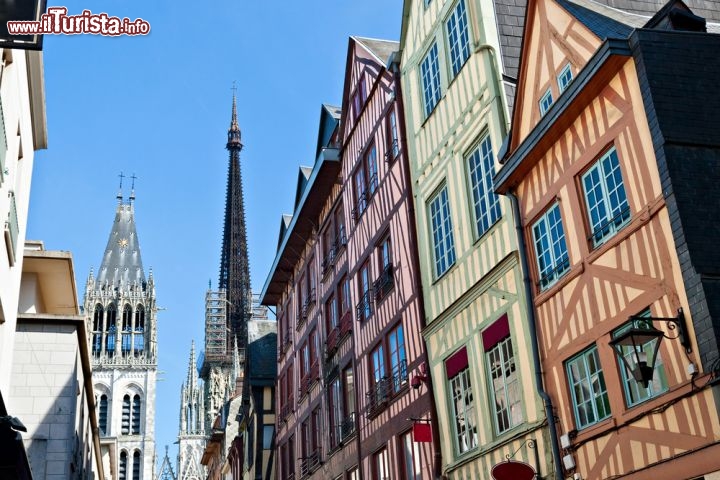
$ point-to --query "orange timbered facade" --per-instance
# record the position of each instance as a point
(585, 164)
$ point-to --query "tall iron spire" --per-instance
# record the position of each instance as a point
(234, 265)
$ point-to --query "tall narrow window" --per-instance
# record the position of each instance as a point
(486, 203)
(410, 452)
(361, 196)
(607, 204)
(635, 393)
(442, 234)
(126, 330)
(372, 169)
(503, 374)
(348, 402)
(379, 391)
(457, 369)
(103, 414)
(430, 79)
(136, 415)
(111, 328)
(331, 314)
(340, 237)
(125, 421)
(364, 308)
(587, 386)
(394, 147)
(384, 282)
(550, 249)
(457, 32)
(136, 465)
(398, 361)
(381, 470)
(139, 336)
(335, 412)
(122, 470)
(97, 330)
(344, 294)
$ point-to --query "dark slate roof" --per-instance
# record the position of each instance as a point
(121, 263)
(303, 176)
(333, 110)
(604, 21)
(262, 349)
(382, 49)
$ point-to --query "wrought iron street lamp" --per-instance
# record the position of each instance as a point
(640, 334)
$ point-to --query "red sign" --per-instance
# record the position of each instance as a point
(512, 470)
(422, 432)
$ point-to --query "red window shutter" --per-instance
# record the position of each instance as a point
(457, 362)
(496, 332)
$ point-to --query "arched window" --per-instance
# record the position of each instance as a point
(122, 471)
(136, 415)
(139, 340)
(97, 330)
(103, 414)
(126, 330)
(111, 329)
(136, 465)
(125, 425)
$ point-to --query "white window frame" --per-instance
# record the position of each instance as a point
(481, 170)
(430, 79)
(551, 254)
(591, 382)
(603, 186)
(507, 407)
(564, 78)
(546, 102)
(458, 38)
(441, 229)
(465, 424)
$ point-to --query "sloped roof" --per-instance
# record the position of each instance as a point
(122, 263)
(603, 21)
(382, 49)
(262, 338)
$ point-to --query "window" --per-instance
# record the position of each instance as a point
(441, 226)
(126, 343)
(430, 75)
(366, 181)
(268, 432)
(122, 470)
(331, 313)
(635, 393)
(335, 413)
(486, 203)
(564, 78)
(111, 330)
(136, 415)
(340, 239)
(545, 102)
(550, 248)
(97, 330)
(398, 361)
(605, 197)
(359, 97)
(364, 307)
(344, 293)
(394, 147)
(384, 283)
(378, 381)
(12, 229)
(503, 374)
(587, 387)
(291, 456)
(348, 424)
(125, 424)
(136, 465)
(139, 336)
(457, 32)
(381, 468)
(315, 427)
(463, 402)
(102, 414)
(410, 454)
(427, 3)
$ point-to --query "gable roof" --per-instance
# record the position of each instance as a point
(603, 21)
(381, 49)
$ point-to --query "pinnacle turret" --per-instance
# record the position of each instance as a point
(234, 134)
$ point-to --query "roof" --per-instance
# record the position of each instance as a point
(382, 49)
(262, 349)
(121, 263)
(603, 21)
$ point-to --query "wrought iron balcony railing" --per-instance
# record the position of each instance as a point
(385, 388)
(310, 463)
(364, 309)
(384, 283)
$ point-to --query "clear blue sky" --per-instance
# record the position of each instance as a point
(159, 106)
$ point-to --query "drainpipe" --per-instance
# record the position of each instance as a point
(394, 67)
(532, 322)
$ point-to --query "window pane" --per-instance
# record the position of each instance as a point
(443, 240)
(505, 386)
(430, 74)
(550, 247)
(463, 411)
(457, 32)
(590, 397)
(605, 198)
(481, 167)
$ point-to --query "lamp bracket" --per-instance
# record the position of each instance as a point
(673, 323)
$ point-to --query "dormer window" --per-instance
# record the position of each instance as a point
(546, 101)
(564, 78)
(359, 97)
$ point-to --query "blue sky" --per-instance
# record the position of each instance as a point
(159, 106)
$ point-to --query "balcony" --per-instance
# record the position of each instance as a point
(328, 261)
(287, 408)
(285, 343)
(331, 344)
(309, 379)
(340, 242)
(363, 309)
(11, 230)
(386, 388)
(348, 427)
(309, 463)
(330, 368)
(384, 283)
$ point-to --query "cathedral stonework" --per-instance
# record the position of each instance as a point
(121, 320)
(192, 437)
